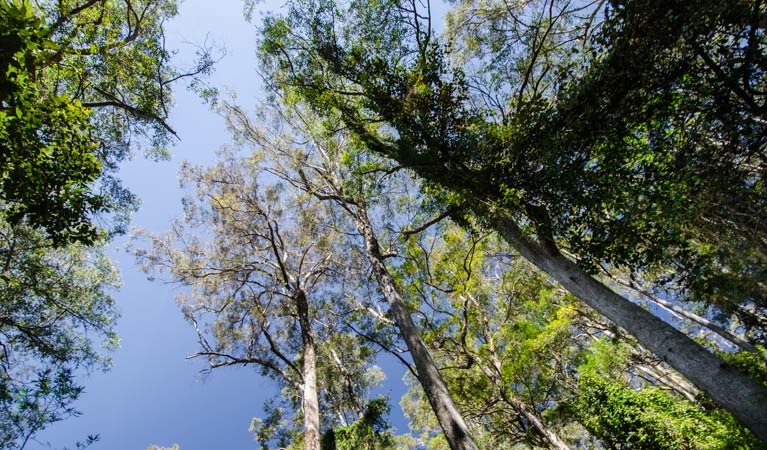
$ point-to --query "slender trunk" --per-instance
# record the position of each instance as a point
(670, 380)
(742, 343)
(310, 398)
(743, 397)
(538, 424)
(519, 406)
(448, 416)
(735, 340)
(656, 373)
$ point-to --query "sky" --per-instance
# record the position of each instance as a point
(153, 394)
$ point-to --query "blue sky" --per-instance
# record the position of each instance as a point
(153, 395)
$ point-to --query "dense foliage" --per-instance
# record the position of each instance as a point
(49, 161)
(82, 85)
(369, 432)
(589, 142)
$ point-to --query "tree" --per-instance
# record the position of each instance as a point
(55, 304)
(521, 174)
(82, 84)
(263, 289)
(369, 432)
(332, 169)
(49, 161)
(508, 340)
(529, 366)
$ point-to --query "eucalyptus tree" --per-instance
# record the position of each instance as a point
(258, 258)
(332, 167)
(509, 340)
(532, 367)
(575, 165)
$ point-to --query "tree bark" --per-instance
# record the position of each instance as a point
(449, 418)
(538, 424)
(311, 404)
(742, 343)
(726, 385)
(731, 338)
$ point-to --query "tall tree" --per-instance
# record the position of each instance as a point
(262, 285)
(509, 338)
(518, 366)
(524, 173)
(332, 169)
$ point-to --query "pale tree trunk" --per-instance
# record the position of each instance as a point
(523, 410)
(449, 418)
(733, 339)
(311, 404)
(653, 372)
(742, 343)
(538, 424)
(743, 397)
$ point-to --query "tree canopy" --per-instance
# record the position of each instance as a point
(572, 140)
(82, 85)
(393, 186)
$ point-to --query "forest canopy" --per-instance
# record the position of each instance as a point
(550, 213)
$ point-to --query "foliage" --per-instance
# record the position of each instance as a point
(505, 337)
(49, 161)
(369, 432)
(619, 174)
(82, 83)
(587, 132)
(623, 416)
(276, 428)
(55, 304)
(509, 344)
(653, 419)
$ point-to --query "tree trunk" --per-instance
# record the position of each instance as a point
(743, 397)
(538, 424)
(311, 404)
(449, 418)
(742, 343)
(731, 338)
(517, 405)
